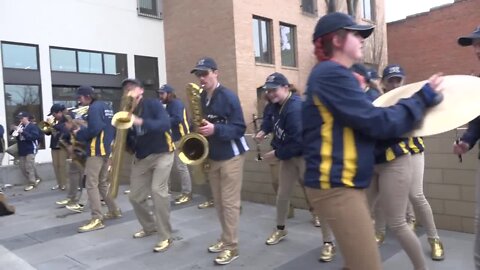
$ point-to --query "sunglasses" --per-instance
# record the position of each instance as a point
(202, 73)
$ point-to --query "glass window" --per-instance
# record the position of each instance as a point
(149, 8)
(288, 45)
(110, 64)
(309, 6)
(63, 60)
(367, 10)
(19, 56)
(23, 98)
(261, 40)
(90, 62)
(67, 96)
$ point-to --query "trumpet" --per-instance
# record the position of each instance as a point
(47, 126)
(18, 129)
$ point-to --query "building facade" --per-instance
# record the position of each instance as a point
(49, 49)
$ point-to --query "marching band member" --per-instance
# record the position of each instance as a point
(286, 143)
(468, 140)
(59, 154)
(98, 135)
(224, 128)
(152, 144)
(341, 125)
(180, 127)
(27, 135)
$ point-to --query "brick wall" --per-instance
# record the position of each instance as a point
(427, 43)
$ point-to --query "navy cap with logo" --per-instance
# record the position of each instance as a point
(56, 108)
(85, 90)
(336, 21)
(204, 64)
(468, 40)
(166, 89)
(373, 74)
(393, 70)
(23, 114)
(275, 80)
(362, 70)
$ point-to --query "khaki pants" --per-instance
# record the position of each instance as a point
(180, 171)
(346, 211)
(59, 162)
(27, 166)
(150, 176)
(96, 172)
(292, 171)
(394, 184)
(75, 176)
(226, 183)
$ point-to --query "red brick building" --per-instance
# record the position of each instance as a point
(427, 42)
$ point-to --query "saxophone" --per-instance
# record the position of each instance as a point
(193, 147)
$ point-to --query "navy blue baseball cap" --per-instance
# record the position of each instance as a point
(393, 71)
(336, 21)
(57, 107)
(132, 81)
(23, 114)
(205, 63)
(373, 74)
(362, 70)
(166, 89)
(468, 40)
(275, 80)
(85, 90)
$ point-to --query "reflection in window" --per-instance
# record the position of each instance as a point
(261, 40)
(19, 56)
(63, 60)
(67, 96)
(110, 64)
(150, 8)
(90, 62)
(20, 98)
(288, 45)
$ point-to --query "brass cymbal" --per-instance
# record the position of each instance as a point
(460, 105)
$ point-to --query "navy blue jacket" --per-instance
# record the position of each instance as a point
(178, 119)
(287, 128)
(224, 111)
(472, 134)
(99, 133)
(340, 126)
(373, 93)
(267, 119)
(28, 140)
(60, 132)
(153, 136)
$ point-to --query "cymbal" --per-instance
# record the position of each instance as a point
(460, 105)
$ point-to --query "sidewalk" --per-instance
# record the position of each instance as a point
(43, 236)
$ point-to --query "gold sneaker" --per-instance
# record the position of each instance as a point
(142, 234)
(29, 187)
(217, 247)
(162, 245)
(63, 202)
(126, 192)
(37, 181)
(55, 187)
(327, 252)
(75, 207)
(92, 225)
(316, 221)
(63, 187)
(438, 253)
(113, 214)
(380, 237)
(206, 204)
(227, 256)
(276, 237)
(183, 198)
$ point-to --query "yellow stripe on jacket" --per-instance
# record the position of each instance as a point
(326, 149)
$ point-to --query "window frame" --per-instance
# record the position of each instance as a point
(268, 34)
(158, 6)
(293, 41)
(37, 55)
(313, 12)
(373, 14)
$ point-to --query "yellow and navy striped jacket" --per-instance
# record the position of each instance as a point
(99, 132)
(416, 145)
(178, 119)
(388, 150)
(340, 127)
